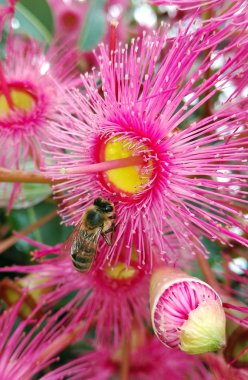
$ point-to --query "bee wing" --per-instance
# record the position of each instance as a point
(73, 237)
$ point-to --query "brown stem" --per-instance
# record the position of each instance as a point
(3, 230)
(207, 272)
(226, 279)
(7, 243)
(238, 337)
(21, 176)
(29, 177)
(124, 366)
(242, 253)
(207, 105)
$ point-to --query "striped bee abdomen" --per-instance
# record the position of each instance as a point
(82, 261)
(84, 249)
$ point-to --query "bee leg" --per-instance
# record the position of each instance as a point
(112, 235)
(112, 216)
(115, 226)
(112, 230)
(105, 238)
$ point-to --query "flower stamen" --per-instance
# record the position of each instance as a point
(104, 166)
(6, 93)
(112, 37)
(121, 272)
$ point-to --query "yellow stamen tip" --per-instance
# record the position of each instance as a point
(63, 171)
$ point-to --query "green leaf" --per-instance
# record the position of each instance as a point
(42, 11)
(94, 26)
(31, 25)
(3, 44)
(34, 18)
(214, 249)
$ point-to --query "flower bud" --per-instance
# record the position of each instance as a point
(186, 312)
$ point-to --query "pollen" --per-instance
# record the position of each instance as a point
(120, 272)
(22, 101)
(130, 179)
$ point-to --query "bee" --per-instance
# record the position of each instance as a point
(97, 220)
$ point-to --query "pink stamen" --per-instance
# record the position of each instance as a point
(233, 134)
(5, 88)
(112, 47)
(104, 166)
(112, 36)
(241, 353)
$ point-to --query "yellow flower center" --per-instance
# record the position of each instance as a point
(120, 272)
(22, 100)
(121, 276)
(130, 179)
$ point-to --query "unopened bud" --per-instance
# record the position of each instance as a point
(186, 312)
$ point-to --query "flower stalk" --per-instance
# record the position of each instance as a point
(207, 273)
(22, 177)
(30, 177)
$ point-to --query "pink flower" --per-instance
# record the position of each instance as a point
(116, 11)
(186, 312)
(139, 113)
(69, 17)
(110, 299)
(148, 360)
(28, 99)
(24, 352)
(6, 11)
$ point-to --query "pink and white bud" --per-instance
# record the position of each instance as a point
(186, 312)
